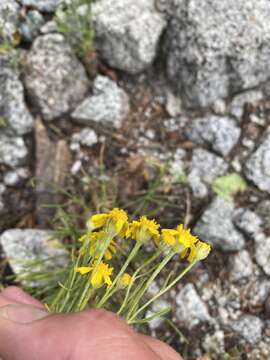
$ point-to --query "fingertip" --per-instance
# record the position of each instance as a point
(162, 349)
(15, 294)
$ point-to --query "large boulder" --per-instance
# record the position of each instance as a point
(215, 47)
(54, 78)
(127, 33)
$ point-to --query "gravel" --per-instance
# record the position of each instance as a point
(237, 106)
(54, 78)
(108, 106)
(127, 33)
(86, 137)
(31, 25)
(42, 5)
(13, 151)
(216, 226)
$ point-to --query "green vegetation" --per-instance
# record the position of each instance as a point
(229, 185)
(3, 122)
(74, 21)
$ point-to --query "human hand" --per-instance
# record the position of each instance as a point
(29, 332)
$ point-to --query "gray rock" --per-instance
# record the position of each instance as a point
(177, 167)
(190, 309)
(13, 151)
(108, 106)
(263, 210)
(249, 327)
(2, 191)
(25, 246)
(12, 104)
(173, 104)
(257, 167)
(49, 27)
(247, 221)
(256, 292)
(9, 18)
(214, 344)
(31, 26)
(219, 133)
(216, 226)
(86, 137)
(217, 47)
(158, 305)
(127, 33)
(56, 81)
(205, 168)
(42, 5)
(262, 253)
(241, 266)
(13, 177)
(237, 106)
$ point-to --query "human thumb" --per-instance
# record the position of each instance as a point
(21, 313)
(15, 331)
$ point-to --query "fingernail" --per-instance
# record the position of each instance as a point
(22, 314)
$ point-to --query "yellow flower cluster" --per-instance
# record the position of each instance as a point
(115, 223)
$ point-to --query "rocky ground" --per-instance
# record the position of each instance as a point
(167, 85)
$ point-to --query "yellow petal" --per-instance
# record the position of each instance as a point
(99, 220)
(83, 270)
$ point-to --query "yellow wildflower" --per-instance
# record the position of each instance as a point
(143, 230)
(125, 281)
(97, 241)
(169, 237)
(185, 237)
(101, 274)
(199, 251)
(115, 221)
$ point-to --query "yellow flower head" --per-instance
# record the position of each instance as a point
(115, 221)
(125, 281)
(199, 251)
(101, 274)
(97, 240)
(169, 237)
(143, 230)
(185, 239)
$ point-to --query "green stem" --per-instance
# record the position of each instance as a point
(148, 262)
(151, 279)
(160, 293)
(121, 272)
